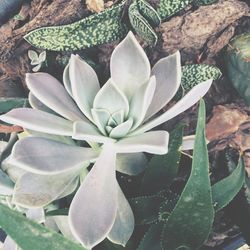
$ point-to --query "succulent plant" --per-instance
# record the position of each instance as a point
(115, 120)
(36, 59)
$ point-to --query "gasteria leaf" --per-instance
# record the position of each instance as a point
(191, 220)
(29, 234)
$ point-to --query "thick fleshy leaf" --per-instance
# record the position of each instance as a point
(186, 102)
(66, 80)
(36, 104)
(84, 84)
(154, 142)
(71, 187)
(93, 209)
(88, 132)
(52, 93)
(168, 79)
(122, 129)
(101, 118)
(43, 156)
(6, 185)
(33, 190)
(39, 121)
(62, 222)
(31, 235)
(124, 222)
(190, 222)
(188, 142)
(36, 214)
(9, 244)
(131, 163)
(129, 65)
(140, 102)
(111, 99)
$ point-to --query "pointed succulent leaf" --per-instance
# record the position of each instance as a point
(101, 118)
(188, 142)
(141, 101)
(36, 214)
(168, 78)
(131, 163)
(152, 238)
(33, 190)
(88, 132)
(226, 189)
(66, 80)
(90, 224)
(72, 186)
(106, 96)
(154, 142)
(141, 25)
(32, 235)
(184, 227)
(50, 92)
(162, 169)
(124, 222)
(32, 55)
(42, 57)
(84, 84)
(129, 65)
(45, 156)
(146, 208)
(186, 102)
(93, 30)
(122, 129)
(37, 67)
(9, 244)
(62, 222)
(39, 121)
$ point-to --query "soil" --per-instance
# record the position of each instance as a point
(201, 34)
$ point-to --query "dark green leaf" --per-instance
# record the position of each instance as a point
(163, 169)
(152, 238)
(96, 29)
(191, 220)
(225, 190)
(6, 104)
(31, 235)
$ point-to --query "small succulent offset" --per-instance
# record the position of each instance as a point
(36, 59)
(114, 119)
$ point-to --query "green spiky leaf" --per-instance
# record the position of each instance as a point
(162, 169)
(226, 189)
(141, 25)
(96, 29)
(31, 235)
(191, 220)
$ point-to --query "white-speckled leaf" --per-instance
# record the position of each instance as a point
(154, 142)
(93, 209)
(51, 92)
(129, 65)
(124, 221)
(39, 121)
(168, 79)
(43, 156)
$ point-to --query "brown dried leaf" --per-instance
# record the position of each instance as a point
(10, 129)
(224, 122)
(95, 5)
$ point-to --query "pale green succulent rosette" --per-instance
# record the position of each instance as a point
(117, 116)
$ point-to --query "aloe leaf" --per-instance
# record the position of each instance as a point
(146, 208)
(141, 25)
(94, 30)
(30, 235)
(226, 189)
(152, 238)
(238, 65)
(149, 13)
(189, 224)
(6, 104)
(162, 169)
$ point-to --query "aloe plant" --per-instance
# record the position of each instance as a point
(114, 119)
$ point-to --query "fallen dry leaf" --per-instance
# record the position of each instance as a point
(224, 122)
(95, 5)
(10, 129)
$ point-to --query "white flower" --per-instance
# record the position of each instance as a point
(117, 116)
